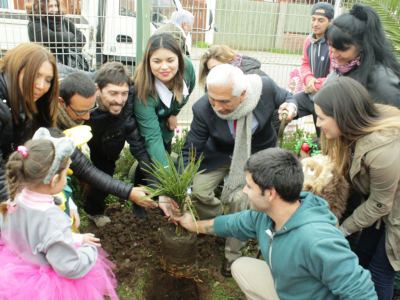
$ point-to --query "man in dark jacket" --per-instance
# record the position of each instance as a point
(229, 123)
(316, 60)
(47, 26)
(111, 127)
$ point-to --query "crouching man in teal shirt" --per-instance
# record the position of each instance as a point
(306, 256)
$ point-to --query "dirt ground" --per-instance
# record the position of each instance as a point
(135, 247)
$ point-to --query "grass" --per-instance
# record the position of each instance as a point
(285, 51)
(229, 290)
(202, 44)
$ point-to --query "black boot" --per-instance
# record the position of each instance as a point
(139, 212)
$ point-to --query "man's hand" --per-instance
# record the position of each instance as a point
(138, 195)
(172, 122)
(73, 213)
(309, 88)
(187, 222)
(291, 109)
(169, 207)
(88, 238)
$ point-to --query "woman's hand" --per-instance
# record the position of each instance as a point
(138, 195)
(172, 122)
(169, 207)
(73, 213)
(88, 238)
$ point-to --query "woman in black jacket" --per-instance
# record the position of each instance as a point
(361, 51)
(28, 98)
(48, 27)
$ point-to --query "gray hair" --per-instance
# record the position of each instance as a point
(227, 75)
(182, 16)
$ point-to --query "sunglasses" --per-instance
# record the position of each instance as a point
(96, 106)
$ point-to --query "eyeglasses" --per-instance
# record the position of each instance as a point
(96, 106)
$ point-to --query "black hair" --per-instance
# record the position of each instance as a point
(76, 83)
(363, 29)
(278, 169)
(112, 73)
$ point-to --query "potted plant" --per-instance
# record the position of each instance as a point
(175, 182)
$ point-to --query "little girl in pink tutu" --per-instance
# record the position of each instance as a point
(40, 257)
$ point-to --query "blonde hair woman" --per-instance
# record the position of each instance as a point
(28, 98)
(222, 54)
(363, 140)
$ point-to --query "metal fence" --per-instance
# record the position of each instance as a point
(272, 32)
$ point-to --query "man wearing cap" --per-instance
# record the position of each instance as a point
(316, 61)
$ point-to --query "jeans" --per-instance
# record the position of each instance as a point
(372, 256)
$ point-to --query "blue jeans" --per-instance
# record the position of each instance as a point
(372, 256)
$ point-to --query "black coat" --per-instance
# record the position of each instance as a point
(118, 130)
(57, 34)
(251, 65)
(11, 134)
(210, 135)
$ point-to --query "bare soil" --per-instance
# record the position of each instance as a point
(135, 247)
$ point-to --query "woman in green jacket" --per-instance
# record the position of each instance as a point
(363, 139)
(163, 82)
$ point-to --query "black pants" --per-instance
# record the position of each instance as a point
(94, 204)
(137, 210)
(353, 202)
(305, 107)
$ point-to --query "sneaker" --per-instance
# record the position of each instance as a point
(99, 220)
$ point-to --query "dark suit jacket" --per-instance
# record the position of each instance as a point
(210, 136)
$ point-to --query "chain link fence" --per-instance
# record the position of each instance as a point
(271, 32)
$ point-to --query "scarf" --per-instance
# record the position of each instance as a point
(340, 70)
(64, 120)
(237, 61)
(242, 149)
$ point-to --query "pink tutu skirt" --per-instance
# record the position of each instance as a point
(20, 280)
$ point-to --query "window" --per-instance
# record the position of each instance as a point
(127, 8)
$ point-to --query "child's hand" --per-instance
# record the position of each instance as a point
(88, 238)
(73, 213)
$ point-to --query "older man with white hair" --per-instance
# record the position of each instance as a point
(180, 26)
(231, 122)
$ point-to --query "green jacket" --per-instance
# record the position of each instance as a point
(375, 172)
(309, 258)
(152, 118)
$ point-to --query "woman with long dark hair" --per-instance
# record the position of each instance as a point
(163, 81)
(363, 140)
(360, 50)
(28, 98)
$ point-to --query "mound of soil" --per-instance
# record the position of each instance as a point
(135, 247)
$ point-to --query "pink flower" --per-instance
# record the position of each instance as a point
(177, 131)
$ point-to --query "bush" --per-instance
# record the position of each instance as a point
(291, 139)
(179, 141)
